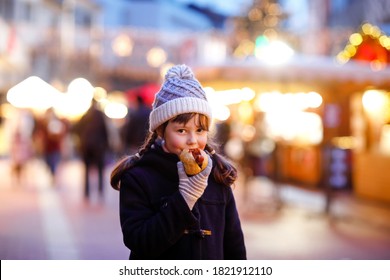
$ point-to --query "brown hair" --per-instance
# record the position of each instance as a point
(224, 172)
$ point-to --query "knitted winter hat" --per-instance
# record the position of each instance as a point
(181, 93)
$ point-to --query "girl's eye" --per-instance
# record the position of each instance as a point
(181, 130)
(200, 130)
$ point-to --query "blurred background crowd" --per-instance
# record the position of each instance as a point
(300, 89)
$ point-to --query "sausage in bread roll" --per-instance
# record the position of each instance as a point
(194, 160)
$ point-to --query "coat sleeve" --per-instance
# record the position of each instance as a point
(148, 231)
(234, 245)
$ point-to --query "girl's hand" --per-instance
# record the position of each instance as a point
(192, 188)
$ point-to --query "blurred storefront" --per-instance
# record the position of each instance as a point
(314, 121)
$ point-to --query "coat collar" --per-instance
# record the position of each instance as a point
(156, 158)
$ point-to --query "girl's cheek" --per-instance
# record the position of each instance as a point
(202, 143)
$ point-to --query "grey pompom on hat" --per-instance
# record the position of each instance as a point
(180, 93)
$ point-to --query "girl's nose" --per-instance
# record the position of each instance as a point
(191, 139)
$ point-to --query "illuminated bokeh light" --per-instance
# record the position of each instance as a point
(277, 101)
(377, 103)
(33, 93)
(115, 110)
(156, 57)
(122, 45)
(273, 52)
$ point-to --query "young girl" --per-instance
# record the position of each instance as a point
(164, 213)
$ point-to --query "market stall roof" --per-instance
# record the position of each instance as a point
(310, 69)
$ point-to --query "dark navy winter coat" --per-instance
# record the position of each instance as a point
(157, 223)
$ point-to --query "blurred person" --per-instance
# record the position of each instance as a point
(51, 131)
(136, 126)
(20, 139)
(93, 144)
(223, 134)
(165, 213)
(20, 154)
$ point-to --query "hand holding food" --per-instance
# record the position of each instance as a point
(192, 184)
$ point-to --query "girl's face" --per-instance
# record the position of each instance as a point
(184, 135)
